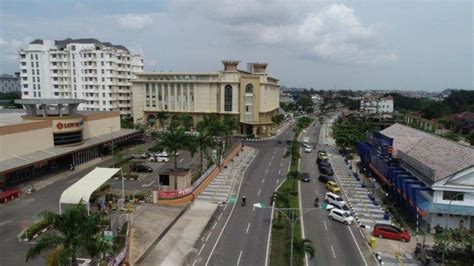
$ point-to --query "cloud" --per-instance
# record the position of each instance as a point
(315, 30)
(10, 48)
(135, 21)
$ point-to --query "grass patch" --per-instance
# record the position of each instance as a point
(288, 198)
(34, 229)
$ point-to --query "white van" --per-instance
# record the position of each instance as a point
(341, 216)
(334, 199)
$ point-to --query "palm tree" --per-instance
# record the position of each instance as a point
(73, 231)
(300, 247)
(172, 141)
(183, 120)
(204, 141)
(215, 128)
(162, 116)
(230, 124)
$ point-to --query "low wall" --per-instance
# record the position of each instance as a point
(189, 198)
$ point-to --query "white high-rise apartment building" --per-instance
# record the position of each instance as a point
(98, 72)
(376, 105)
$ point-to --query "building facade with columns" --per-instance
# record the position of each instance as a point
(251, 97)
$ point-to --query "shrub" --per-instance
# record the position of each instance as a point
(35, 228)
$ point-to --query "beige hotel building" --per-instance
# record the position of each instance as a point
(252, 97)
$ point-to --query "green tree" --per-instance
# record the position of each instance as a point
(452, 136)
(73, 231)
(230, 125)
(173, 140)
(470, 138)
(162, 116)
(204, 142)
(184, 120)
(293, 176)
(215, 128)
(300, 248)
(305, 102)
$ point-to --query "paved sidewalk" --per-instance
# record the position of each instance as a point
(179, 241)
(47, 180)
(149, 221)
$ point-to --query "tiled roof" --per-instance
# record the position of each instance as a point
(444, 156)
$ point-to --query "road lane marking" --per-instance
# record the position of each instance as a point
(181, 160)
(333, 253)
(277, 180)
(360, 251)
(207, 238)
(281, 164)
(214, 226)
(219, 216)
(228, 218)
(325, 225)
(200, 251)
(240, 255)
(272, 156)
(147, 185)
(253, 209)
(263, 180)
(270, 164)
(258, 194)
(247, 231)
(266, 171)
(279, 172)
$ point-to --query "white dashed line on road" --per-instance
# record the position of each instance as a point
(333, 253)
(240, 255)
(277, 180)
(263, 180)
(258, 193)
(214, 226)
(200, 251)
(266, 171)
(248, 227)
(207, 238)
(219, 216)
(325, 225)
(279, 172)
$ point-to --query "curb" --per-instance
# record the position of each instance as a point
(160, 236)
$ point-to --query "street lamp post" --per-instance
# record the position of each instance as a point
(292, 219)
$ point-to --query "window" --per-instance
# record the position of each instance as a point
(228, 98)
(453, 195)
(31, 56)
(25, 86)
(56, 94)
(249, 88)
(25, 93)
(37, 64)
(36, 56)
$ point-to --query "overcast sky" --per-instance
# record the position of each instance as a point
(375, 44)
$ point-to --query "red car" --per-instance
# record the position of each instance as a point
(391, 232)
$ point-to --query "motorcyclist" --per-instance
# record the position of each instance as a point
(316, 202)
(243, 200)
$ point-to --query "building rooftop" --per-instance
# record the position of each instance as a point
(50, 101)
(84, 40)
(444, 157)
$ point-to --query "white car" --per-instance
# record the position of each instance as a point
(308, 149)
(341, 216)
(334, 199)
(160, 159)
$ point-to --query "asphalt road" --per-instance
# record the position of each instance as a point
(334, 242)
(27, 208)
(239, 235)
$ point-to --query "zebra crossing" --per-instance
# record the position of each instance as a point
(219, 189)
(367, 209)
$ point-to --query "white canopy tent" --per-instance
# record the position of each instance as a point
(84, 187)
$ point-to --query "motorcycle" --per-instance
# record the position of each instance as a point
(243, 201)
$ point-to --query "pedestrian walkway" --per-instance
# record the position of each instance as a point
(359, 197)
(219, 189)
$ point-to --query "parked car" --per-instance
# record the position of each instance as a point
(305, 177)
(342, 206)
(391, 232)
(333, 187)
(308, 149)
(322, 157)
(341, 216)
(141, 168)
(325, 178)
(161, 159)
(324, 163)
(334, 199)
(326, 171)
